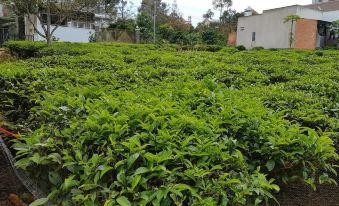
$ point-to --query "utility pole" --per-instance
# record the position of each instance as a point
(154, 21)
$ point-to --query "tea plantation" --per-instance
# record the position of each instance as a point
(119, 124)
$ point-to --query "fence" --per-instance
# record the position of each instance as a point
(6, 35)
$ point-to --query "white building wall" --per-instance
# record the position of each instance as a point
(68, 34)
(321, 1)
(307, 13)
(331, 16)
(269, 27)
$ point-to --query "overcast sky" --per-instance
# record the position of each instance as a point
(196, 8)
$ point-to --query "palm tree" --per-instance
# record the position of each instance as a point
(291, 18)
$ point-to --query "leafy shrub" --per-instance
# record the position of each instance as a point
(24, 49)
(210, 48)
(147, 125)
(27, 49)
(241, 48)
(258, 48)
(319, 53)
(213, 37)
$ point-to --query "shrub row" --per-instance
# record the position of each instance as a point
(150, 125)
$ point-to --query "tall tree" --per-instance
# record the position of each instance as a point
(45, 10)
(208, 15)
(161, 10)
(221, 5)
(144, 22)
(122, 8)
(291, 18)
(109, 6)
(230, 20)
(175, 10)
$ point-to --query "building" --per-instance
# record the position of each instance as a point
(268, 29)
(77, 28)
(321, 1)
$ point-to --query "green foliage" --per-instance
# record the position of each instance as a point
(199, 47)
(258, 48)
(119, 124)
(144, 22)
(241, 48)
(125, 24)
(24, 49)
(212, 36)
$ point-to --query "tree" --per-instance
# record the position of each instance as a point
(230, 19)
(47, 10)
(291, 18)
(162, 10)
(221, 5)
(208, 15)
(109, 6)
(125, 11)
(175, 10)
(7, 21)
(124, 24)
(144, 22)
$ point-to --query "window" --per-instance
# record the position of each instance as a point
(253, 36)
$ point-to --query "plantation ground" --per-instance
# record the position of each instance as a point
(155, 125)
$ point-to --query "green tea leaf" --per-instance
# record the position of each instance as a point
(123, 201)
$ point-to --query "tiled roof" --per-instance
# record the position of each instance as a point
(328, 6)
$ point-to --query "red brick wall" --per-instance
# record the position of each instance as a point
(306, 34)
(232, 38)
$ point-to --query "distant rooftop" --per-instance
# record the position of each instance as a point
(327, 6)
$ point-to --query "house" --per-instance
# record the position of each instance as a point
(77, 28)
(268, 29)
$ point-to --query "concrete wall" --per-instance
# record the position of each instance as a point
(270, 29)
(116, 35)
(69, 34)
(306, 31)
(307, 13)
(320, 1)
(331, 16)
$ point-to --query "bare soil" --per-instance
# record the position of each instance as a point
(5, 55)
(302, 195)
(9, 184)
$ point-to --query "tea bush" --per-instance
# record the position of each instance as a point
(119, 124)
